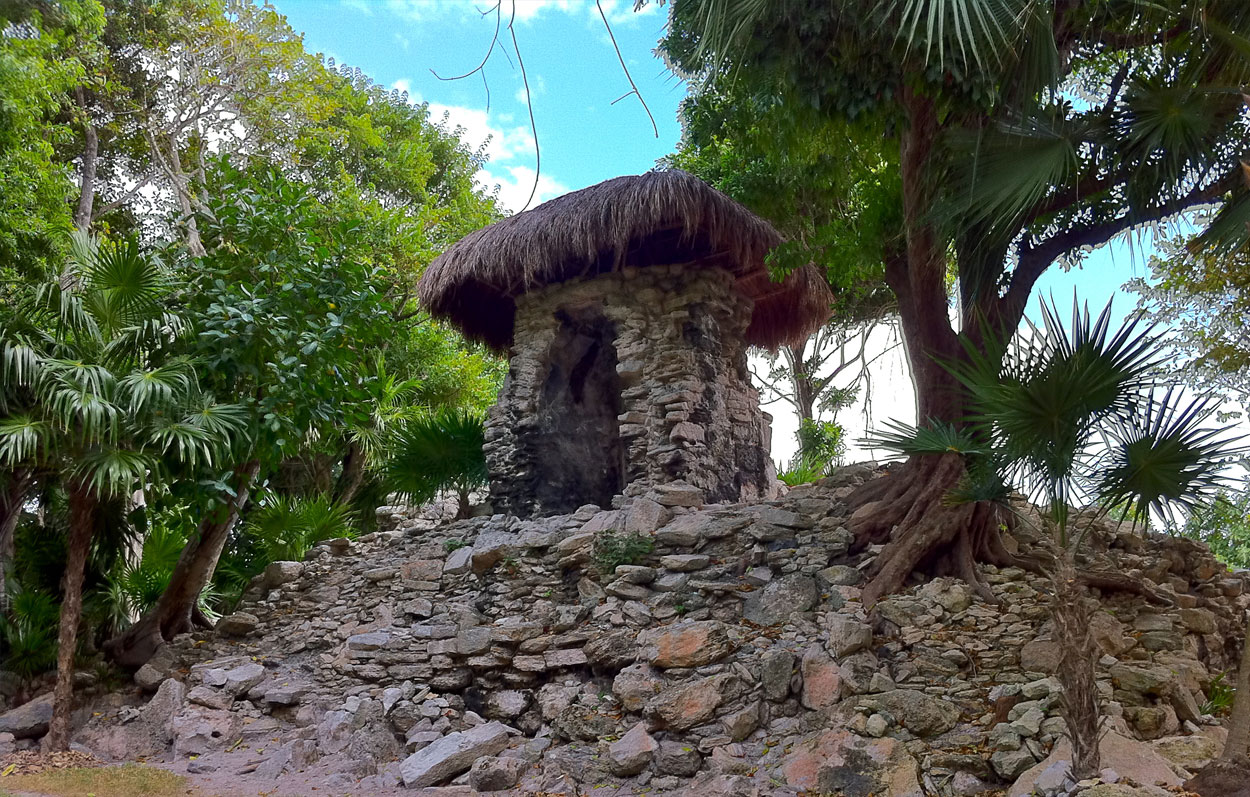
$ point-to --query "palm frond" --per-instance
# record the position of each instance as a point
(1166, 460)
(112, 471)
(438, 452)
(156, 386)
(903, 439)
(23, 438)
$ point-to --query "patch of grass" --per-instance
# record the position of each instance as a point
(127, 780)
(1219, 696)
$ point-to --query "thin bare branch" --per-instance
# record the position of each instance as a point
(625, 69)
(498, 9)
(529, 105)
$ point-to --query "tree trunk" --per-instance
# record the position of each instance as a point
(12, 496)
(90, 159)
(1070, 611)
(907, 511)
(1239, 721)
(801, 380)
(174, 612)
(353, 475)
(82, 515)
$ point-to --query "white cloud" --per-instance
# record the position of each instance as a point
(403, 41)
(515, 183)
(505, 143)
(509, 150)
(405, 85)
(618, 12)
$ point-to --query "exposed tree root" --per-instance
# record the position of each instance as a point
(922, 531)
(908, 512)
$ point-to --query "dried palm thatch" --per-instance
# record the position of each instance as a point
(661, 217)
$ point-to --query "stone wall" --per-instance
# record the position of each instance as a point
(684, 411)
(735, 658)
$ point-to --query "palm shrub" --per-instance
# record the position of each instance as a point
(439, 452)
(97, 396)
(1075, 416)
(28, 631)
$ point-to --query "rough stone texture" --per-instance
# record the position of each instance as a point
(686, 644)
(631, 754)
(839, 762)
(922, 714)
(777, 600)
(822, 682)
(626, 381)
(452, 754)
(1134, 758)
(28, 720)
(688, 706)
(490, 773)
(381, 650)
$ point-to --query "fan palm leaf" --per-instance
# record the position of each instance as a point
(439, 452)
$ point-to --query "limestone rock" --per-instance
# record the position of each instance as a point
(631, 754)
(847, 636)
(452, 754)
(679, 759)
(1040, 655)
(775, 602)
(686, 644)
(922, 714)
(822, 682)
(776, 672)
(29, 720)
(840, 762)
(1118, 753)
(635, 685)
(684, 707)
(1191, 752)
(237, 624)
(279, 573)
(613, 650)
(492, 773)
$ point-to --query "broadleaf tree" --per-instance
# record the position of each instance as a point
(1026, 133)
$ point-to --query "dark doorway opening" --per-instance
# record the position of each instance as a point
(577, 444)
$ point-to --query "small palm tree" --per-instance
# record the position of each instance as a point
(439, 452)
(98, 397)
(1076, 416)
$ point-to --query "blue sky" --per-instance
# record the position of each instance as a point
(573, 71)
(574, 77)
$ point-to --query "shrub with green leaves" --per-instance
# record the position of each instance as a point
(1224, 526)
(440, 452)
(612, 549)
(29, 632)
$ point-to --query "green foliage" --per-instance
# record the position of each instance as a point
(1075, 416)
(1224, 526)
(801, 472)
(441, 451)
(822, 443)
(29, 632)
(1220, 696)
(821, 447)
(612, 549)
(1204, 296)
(283, 529)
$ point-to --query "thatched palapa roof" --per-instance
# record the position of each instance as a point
(661, 217)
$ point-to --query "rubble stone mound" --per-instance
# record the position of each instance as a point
(734, 658)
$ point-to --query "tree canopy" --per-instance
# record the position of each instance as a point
(1026, 133)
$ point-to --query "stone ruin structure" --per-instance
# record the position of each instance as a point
(626, 310)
